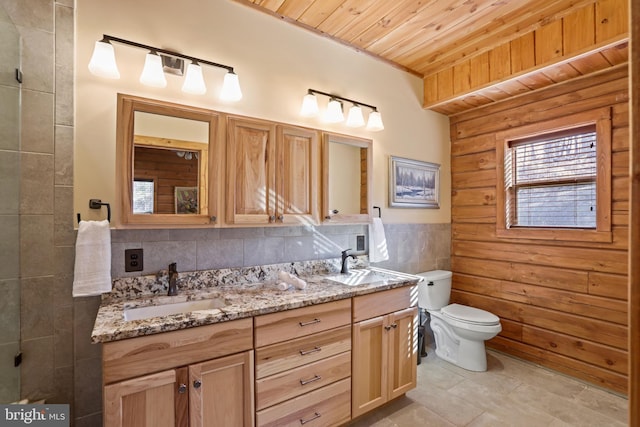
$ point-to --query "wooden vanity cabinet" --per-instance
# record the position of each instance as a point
(272, 173)
(303, 366)
(194, 377)
(384, 347)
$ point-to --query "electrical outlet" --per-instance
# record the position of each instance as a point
(133, 260)
(360, 243)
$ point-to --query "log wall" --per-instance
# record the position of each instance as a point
(562, 304)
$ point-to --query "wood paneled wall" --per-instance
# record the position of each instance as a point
(562, 304)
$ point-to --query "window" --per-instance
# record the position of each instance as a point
(555, 179)
(143, 196)
(551, 180)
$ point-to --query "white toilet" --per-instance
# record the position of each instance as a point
(460, 331)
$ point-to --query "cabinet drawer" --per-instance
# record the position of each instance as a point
(385, 302)
(153, 353)
(286, 385)
(327, 406)
(291, 354)
(290, 324)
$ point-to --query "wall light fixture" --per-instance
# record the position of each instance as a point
(157, 62)
(334, 113)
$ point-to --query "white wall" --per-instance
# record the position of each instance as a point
(276, 62)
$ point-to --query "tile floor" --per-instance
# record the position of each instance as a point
(512, 393)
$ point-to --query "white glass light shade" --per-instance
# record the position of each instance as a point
(193, 80)
(152, 73)
(334, 112)
(355, 118)
(103, 61)
(375, 121)
(231, 88)
(309, 106)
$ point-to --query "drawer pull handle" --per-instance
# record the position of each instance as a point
(313, 350)
(310, 380)
(315, 415)
(311, 322)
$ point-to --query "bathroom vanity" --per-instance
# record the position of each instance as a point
(258, 356)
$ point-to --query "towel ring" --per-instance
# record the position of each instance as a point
(379, 211)
(97, 204)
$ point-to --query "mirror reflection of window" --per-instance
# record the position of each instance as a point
(143, 196)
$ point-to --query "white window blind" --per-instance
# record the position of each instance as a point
(551, 180)
(143, 196)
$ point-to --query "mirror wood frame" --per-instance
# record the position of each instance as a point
(366, 163)
(128, 105)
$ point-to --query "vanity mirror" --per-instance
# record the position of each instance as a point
(165, 156)
(346, 178)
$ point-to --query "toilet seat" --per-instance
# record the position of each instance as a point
(469, 315)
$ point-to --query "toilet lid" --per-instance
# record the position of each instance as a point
(472, 315)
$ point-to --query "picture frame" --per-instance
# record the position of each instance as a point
(186, 200)
(413, 183)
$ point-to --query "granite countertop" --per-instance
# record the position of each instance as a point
(239, 299)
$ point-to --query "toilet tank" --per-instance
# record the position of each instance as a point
(434, 290)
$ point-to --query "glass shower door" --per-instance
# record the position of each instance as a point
(9, 210)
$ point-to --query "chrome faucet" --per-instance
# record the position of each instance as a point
(345, 264)
(173, 279)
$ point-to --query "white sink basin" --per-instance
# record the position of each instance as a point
(160, 310)
(357, 277)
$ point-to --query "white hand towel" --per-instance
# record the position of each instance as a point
(377, 242)
(92, 273)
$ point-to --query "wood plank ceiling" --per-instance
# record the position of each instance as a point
(422, 37)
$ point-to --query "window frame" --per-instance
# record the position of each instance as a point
(601, 118)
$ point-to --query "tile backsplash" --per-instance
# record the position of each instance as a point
(412, 247)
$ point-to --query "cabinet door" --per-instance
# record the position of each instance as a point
(147, 401)
(221, 392)
(296, 175)
(369, 368)
(250, 171)
(403, 348)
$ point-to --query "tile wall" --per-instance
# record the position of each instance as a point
(412, 247)
(41, 221)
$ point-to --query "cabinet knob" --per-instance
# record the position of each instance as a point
(394, 325)
(182, 388)
(272, 218)
(386, 328)
(213, 218)
(197, 384)
(281, 218)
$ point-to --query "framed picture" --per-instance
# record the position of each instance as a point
(413, 184)
(186, 200)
